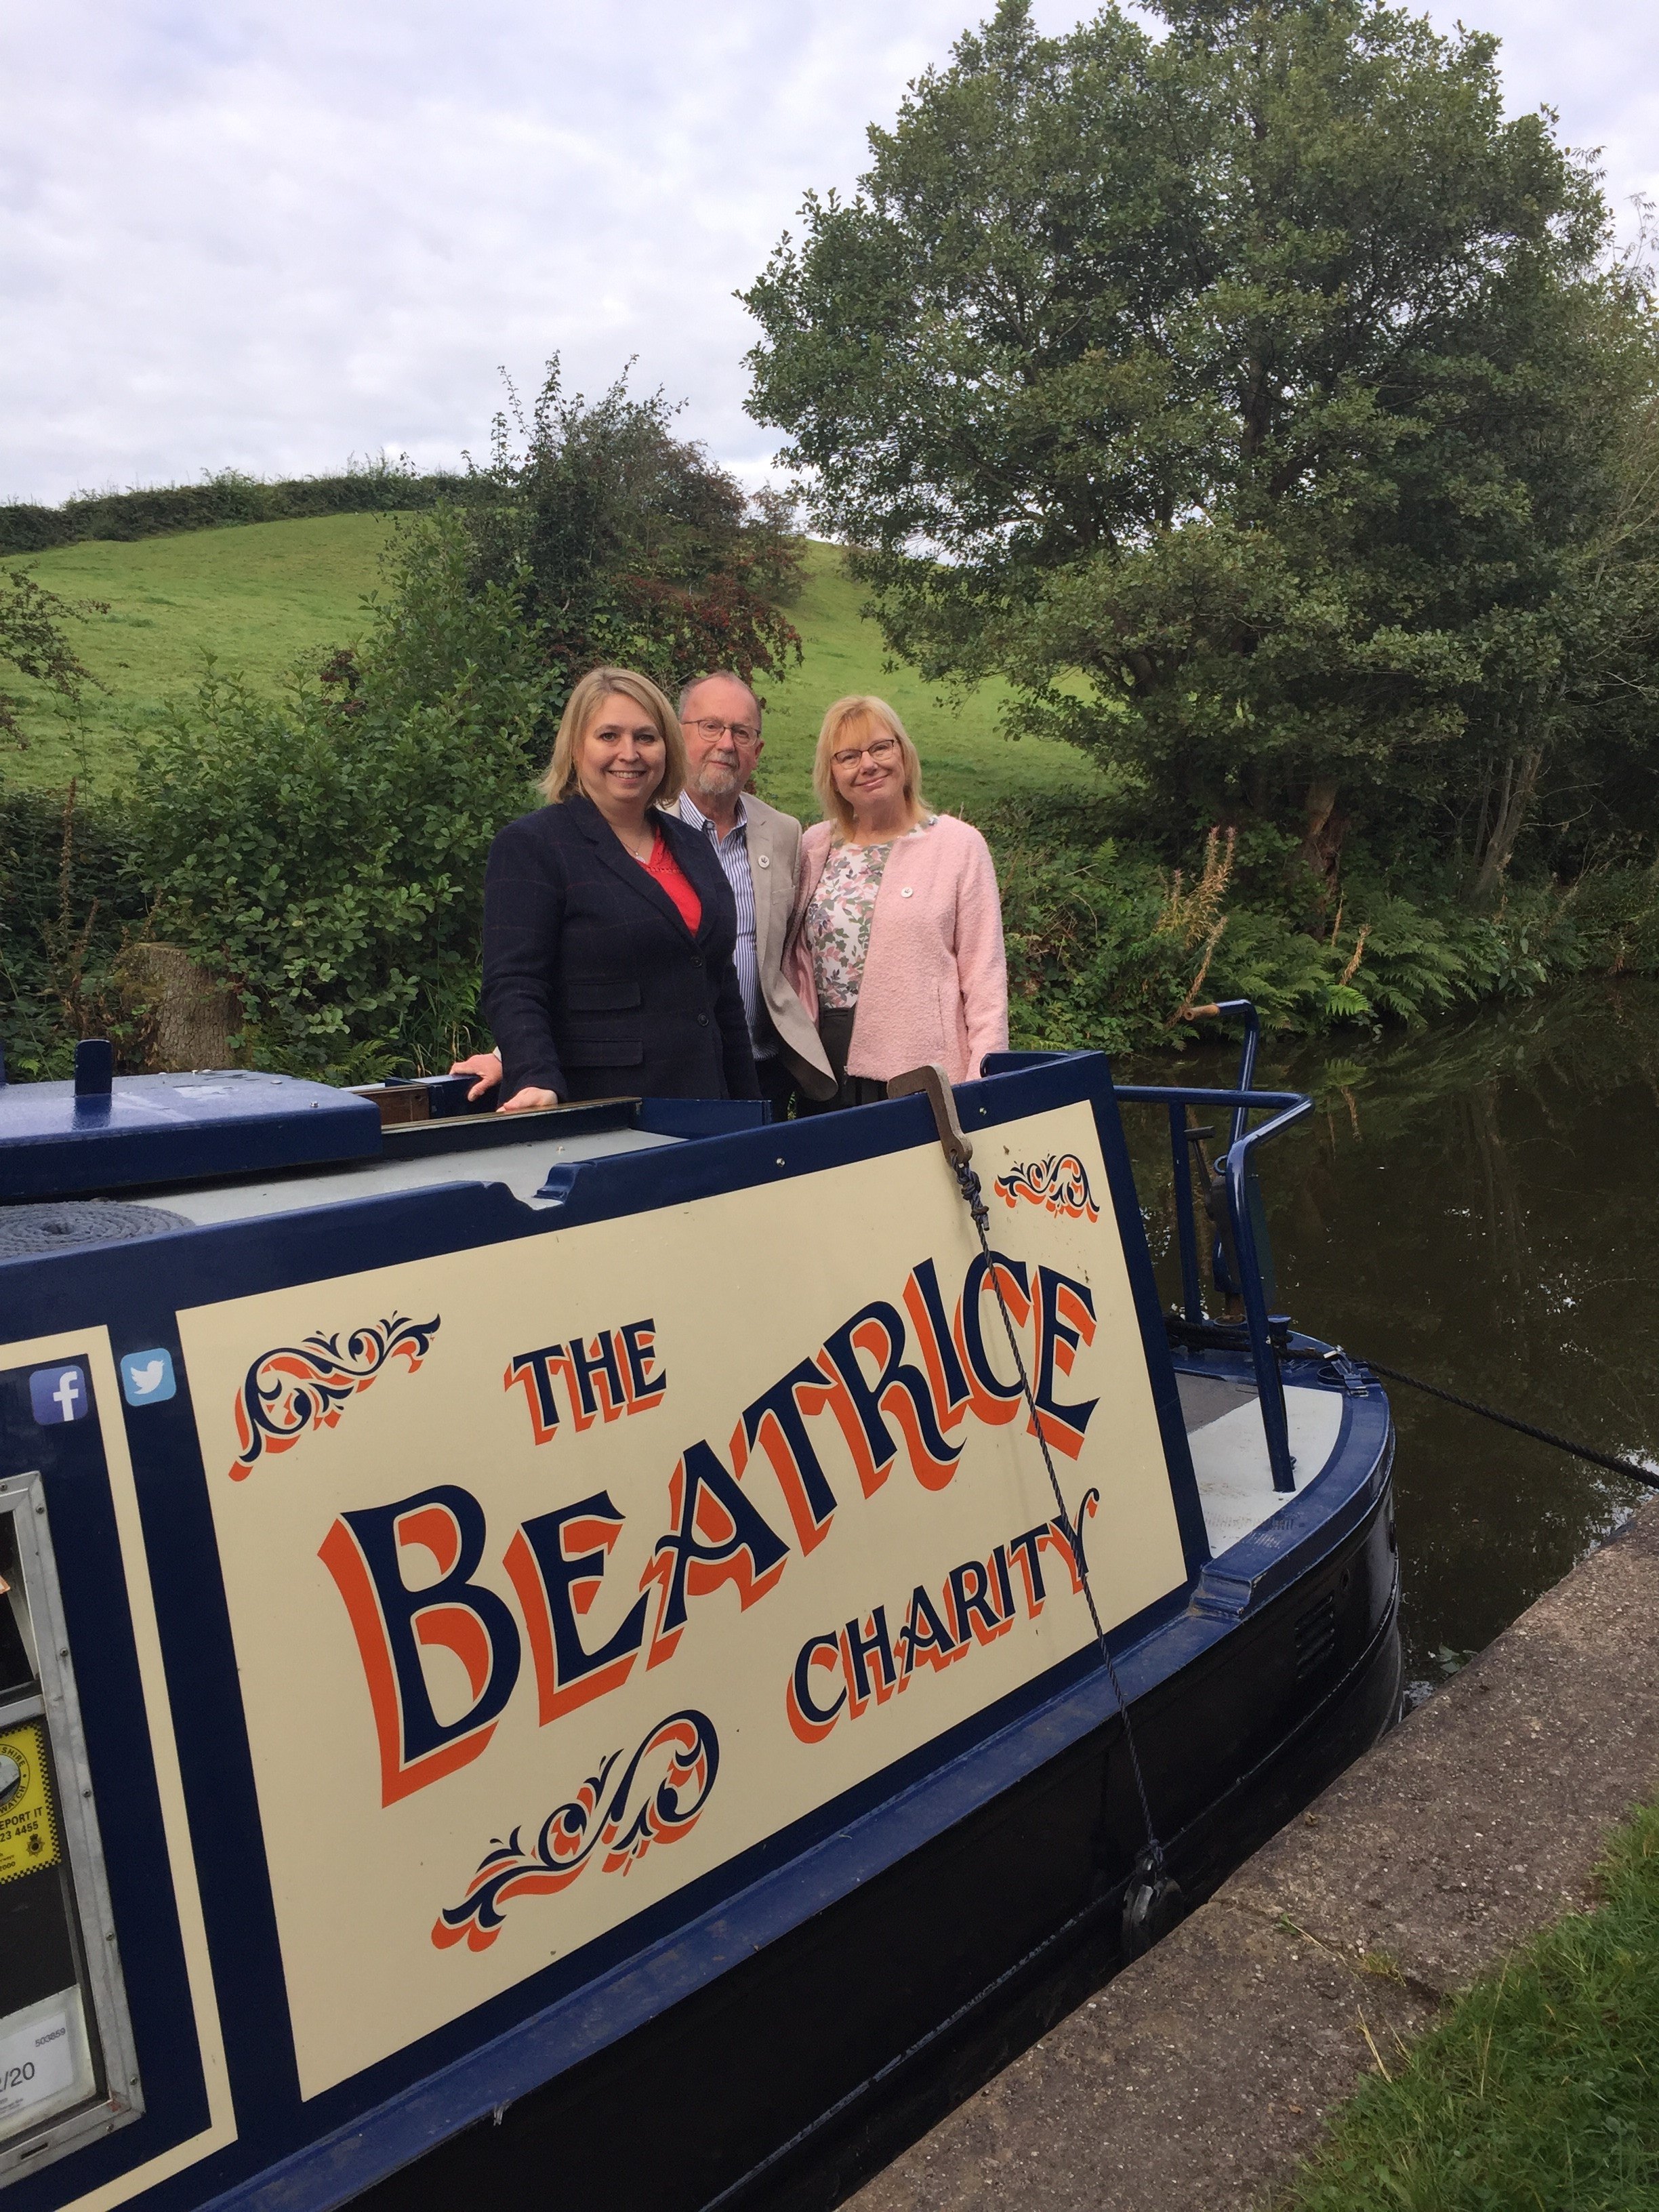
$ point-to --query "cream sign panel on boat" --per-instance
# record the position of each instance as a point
(564, 1570)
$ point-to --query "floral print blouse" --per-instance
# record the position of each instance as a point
(838, 919)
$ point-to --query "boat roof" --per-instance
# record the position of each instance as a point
(224, 1143)
(56, 1141)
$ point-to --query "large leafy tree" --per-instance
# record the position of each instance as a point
(622, 543)
(1252, 395)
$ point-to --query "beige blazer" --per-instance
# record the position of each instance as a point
(774, 842)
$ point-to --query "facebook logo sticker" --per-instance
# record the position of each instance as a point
(58, 1393)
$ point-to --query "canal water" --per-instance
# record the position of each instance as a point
(1474, 1205)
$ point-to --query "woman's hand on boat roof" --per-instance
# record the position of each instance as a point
(487, 1067)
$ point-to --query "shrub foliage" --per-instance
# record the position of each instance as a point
(227, 497)
(1109, 948)
(620, 543)
(69, 903)
(325, 852)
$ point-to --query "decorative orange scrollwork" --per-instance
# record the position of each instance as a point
(615, 1819)
(1060, 1183)
(303, 1386)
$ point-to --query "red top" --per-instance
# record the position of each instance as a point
(667, 871)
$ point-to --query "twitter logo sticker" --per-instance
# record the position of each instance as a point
(147, 1377)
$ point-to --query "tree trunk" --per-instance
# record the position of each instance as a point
(1321, 846)
(1520, 780)
(194, 1016)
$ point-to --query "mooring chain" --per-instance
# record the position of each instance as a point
(973, 1194)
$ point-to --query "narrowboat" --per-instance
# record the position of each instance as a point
(574, 1653)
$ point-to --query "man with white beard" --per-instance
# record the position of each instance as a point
(759, 850)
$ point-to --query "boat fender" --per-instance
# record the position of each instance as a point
(1152, 1905)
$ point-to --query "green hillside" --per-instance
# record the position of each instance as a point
(266, 598)
(259, 599)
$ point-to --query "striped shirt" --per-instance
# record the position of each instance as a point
(732, 853)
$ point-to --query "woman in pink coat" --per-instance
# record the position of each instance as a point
(895, 946)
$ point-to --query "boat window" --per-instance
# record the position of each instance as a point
(17, 1660)
(66, 2064)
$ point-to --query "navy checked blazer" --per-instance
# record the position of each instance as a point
(594, 987)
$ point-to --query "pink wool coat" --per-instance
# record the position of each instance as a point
(936, 979)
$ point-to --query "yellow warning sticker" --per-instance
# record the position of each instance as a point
(29, 1824)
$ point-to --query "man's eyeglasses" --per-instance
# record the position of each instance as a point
(879, 749)
(744, 733)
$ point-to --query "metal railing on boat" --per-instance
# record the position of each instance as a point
(1238, 1167)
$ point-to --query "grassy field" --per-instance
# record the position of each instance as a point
(259, 599)
(269, 597)
(969, 764)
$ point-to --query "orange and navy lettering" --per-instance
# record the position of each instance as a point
(392, 1621)
(839, 1671)
(556, 1563)
(717, 1536)
(899, 1377)
(603, 1377)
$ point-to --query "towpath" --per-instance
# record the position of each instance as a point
(1201, 2073)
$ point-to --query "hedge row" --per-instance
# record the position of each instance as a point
(227, 498)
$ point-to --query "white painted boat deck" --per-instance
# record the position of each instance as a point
(523, 1168)
(1229, 1450)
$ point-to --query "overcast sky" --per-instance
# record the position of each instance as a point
(270, 234)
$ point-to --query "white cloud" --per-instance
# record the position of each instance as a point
(269, 232)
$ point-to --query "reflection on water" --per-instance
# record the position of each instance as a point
(1473, 1204)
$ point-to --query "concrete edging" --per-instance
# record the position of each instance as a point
(1202, 2072)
